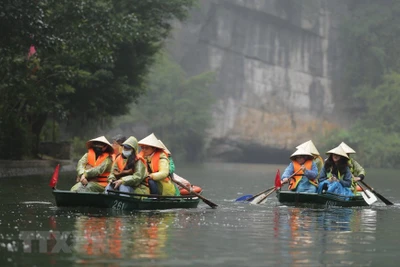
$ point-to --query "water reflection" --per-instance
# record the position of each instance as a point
(295, 220)
(143, 235)
(326, 229)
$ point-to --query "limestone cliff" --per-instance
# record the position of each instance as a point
(277, 63)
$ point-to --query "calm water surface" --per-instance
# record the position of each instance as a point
(34, 232)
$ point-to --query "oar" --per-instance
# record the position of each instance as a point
(261, 198)
(251, 197)
(384, 200)
(243, 198)
(208, 202)
(263, 192)
(260, 195)
(367, 195)
(54, 178)
(278, 185)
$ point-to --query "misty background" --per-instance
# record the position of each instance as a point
(215, 80)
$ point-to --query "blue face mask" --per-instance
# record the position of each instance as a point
(126, 153)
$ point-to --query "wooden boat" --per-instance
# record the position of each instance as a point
(314, 199)
(115, 201)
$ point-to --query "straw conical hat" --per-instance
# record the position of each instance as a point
(338, 151)
(151, 140)
(165, 148)
(101, 139)
(347, 149)
(309, 146)
(300, 152)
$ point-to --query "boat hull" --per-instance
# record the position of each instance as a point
(314, 199)
(113, 201)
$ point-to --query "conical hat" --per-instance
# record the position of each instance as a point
(300, 152)
(101, 139)
(165, 148)
(151, 140)
(347, 149)
(338, 151)
(309, 146)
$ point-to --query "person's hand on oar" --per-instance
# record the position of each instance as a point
(286, 180)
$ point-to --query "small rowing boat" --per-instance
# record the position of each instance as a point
(314, 199)
(115, 201)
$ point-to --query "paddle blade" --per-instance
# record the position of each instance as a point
(369, 197)
(258, 199)
(54, 178)
(261, 199)
(278, 182)
(244, 198)
(385, 200)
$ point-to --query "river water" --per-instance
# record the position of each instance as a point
(34, 232)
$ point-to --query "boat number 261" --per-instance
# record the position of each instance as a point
(118, 205)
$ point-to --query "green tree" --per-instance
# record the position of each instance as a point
(92, 57)
(177, 108)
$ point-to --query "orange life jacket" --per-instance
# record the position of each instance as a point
(155, 161)
(294, 181)
(121, 163)
(93, 162)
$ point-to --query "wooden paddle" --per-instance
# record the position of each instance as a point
(278, 185)
(384, 200)
(251, 197)
(367, 195)
(261, 199)
(208, 202)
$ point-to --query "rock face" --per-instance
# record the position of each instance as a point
(277, 64)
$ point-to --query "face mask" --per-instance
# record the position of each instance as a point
(126, 153)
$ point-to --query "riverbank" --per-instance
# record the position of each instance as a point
(11, 168)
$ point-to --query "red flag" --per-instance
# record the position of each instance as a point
(278, 183)
(54, 178)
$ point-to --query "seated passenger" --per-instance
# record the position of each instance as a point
(117, 144)
(129, 170)
(301, 172)
(356, 169)
(310, 147)
(179, 190)
(94, 167)
(157, 166)
(335, 176)
(171, 161)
